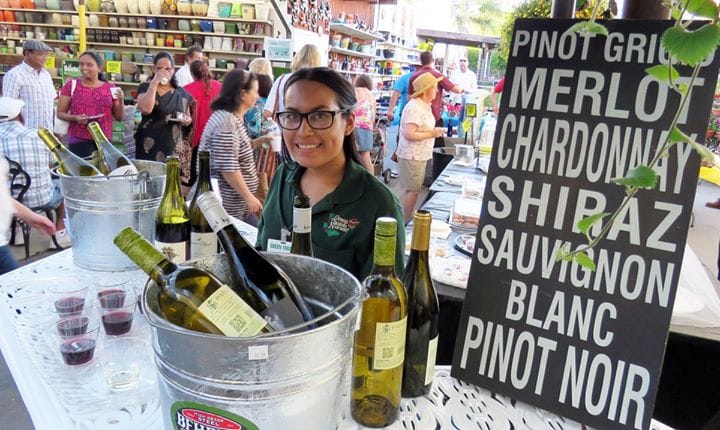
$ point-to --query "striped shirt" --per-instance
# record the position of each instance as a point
(36, 89)
(226, 138)
(23, 145)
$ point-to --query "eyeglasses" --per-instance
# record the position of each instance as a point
(317, 120)
(463, 61)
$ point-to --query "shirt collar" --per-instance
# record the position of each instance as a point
(350, 189)
(29, 68)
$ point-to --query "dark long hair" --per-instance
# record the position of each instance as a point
(264, 84)
(159, 56)
(230, 96)
(200, 72)
(344, 95)
(98, 60)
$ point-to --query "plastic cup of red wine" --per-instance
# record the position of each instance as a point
(77, 338)
(69, 300)
(117, 310)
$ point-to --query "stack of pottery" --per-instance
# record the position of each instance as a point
(156, 6)
(168, 7)
(184, 7)
(199, 7)
(121, 6)
(94, 5)
(140, 6)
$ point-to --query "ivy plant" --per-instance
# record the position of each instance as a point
(684, 46)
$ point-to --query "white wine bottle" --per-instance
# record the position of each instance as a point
(263, 285)
(423, 312)
(191, 297)
(302, 226)
(116, 162)
(379, 344)
(172, 223)
(203, 241)
(69, 164)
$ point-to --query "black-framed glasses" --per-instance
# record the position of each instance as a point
(317, 119)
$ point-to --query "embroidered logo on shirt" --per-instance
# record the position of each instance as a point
(337, 224)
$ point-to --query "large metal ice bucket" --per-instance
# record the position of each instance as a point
(291, 380)
(98, 208)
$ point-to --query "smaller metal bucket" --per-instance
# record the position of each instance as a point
(288, 380)
(98, 208)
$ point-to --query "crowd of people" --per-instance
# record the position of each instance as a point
(325, 124)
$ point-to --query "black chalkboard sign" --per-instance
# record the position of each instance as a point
(577, 111)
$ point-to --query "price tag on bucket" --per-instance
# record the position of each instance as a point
(258, 352)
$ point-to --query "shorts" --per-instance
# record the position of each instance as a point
(55, 200)
(412, 174)
(364, 139)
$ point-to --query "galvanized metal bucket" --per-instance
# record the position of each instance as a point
(97, 208)
(293, 379)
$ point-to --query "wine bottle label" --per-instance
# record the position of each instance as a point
(389, 344)
(274, 245)
(174, 251)
(302, 220)
(202, 244)
(431, 355)
(231, 314)
(213, 211)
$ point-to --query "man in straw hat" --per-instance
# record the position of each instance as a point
(31, 83)
(417, 133)
(22, 145)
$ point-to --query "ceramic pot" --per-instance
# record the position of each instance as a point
(107, 6)
(262, 12)
(140, 6)
(40, 4)
(169, 7)
(94, 5)
(52, 4)
(184, 7)
(199, 7)
(121, 6)
(155, 6)
(94, 20)
(5, 4)
(15, 4)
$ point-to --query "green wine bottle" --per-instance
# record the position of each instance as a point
(68, 163)
(172, 222)
(203, 241)
(191, 297)
(116, 162)
(379, 344)
(262, 284)
(302, 225)
(423, 313)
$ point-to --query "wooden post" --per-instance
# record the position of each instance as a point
(563, 8)
(645, 9)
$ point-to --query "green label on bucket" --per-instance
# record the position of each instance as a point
(192, 416)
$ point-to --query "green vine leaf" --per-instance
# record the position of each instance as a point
(703, 151)
(660, 72)
(585, 224)
(584, 260)
(638, 177)
(691, 47)
(563, 254)
(677, 135)
(703, 8)
(585, 27)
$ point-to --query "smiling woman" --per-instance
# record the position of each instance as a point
(318, 125)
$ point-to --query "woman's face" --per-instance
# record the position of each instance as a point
(88, 67)
(309, 147)
(164, 64)
(249, 97)
(431, 93)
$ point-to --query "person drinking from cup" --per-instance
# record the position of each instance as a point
(89, 98)
(417, 136)
(318, 126)
(166, 118)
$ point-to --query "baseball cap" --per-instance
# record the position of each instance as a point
(10, 108)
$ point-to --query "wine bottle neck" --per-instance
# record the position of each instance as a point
(172, 184)
(204, 183)
(144, 254)
(384, 251)
(302, 220)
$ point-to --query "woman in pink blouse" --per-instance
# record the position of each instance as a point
(364, 119)
(93, 99)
